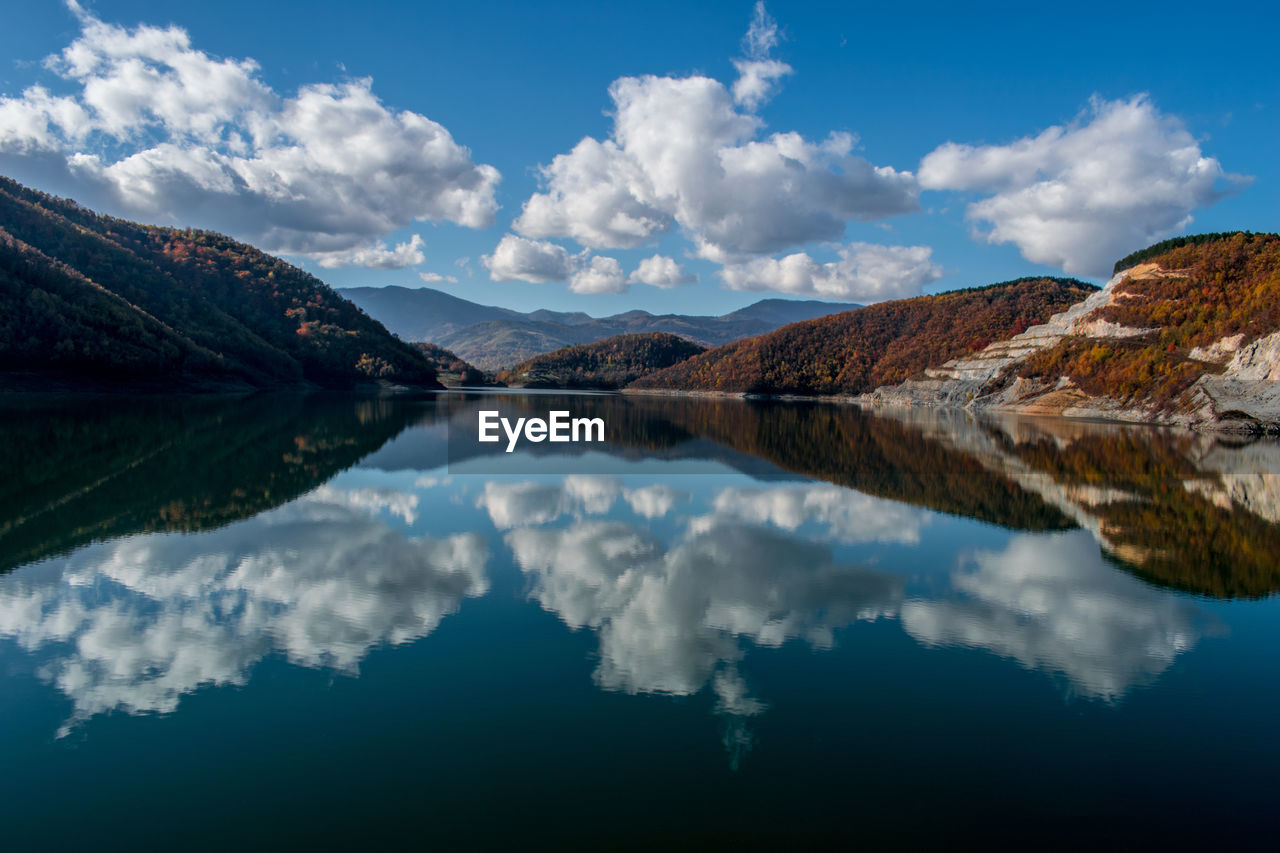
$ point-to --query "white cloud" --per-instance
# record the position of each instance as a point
(541, 261)
(376, 257)
(529, 260)
(437, 278)
(758, 74)
(159, 130)
(601, 275)
(661, 271)
(757, 80)
(1121, 176)
(762, 34)
(596, 195)
(683, 153)
(865, 271)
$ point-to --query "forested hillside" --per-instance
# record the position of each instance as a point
(611, 363)
(1199, 299)
(450, 369)
(92, 299)
(881, 344)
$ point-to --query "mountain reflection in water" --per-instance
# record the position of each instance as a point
(762, 611)
(146, 587)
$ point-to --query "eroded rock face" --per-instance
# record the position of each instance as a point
(1245, 395)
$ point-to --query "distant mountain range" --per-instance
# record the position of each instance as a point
(496, 338)
(90, 301)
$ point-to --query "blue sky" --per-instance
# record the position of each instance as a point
(842, 151)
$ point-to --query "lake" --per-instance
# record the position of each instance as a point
(325, 621)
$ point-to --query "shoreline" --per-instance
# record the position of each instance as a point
(1086, 415)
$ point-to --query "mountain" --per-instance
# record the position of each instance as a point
(93, 301)
(610, 363)
(495, 338)
(1187, 332)
(857, 351)
(450, 369)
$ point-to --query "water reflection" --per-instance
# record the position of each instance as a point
(1053, 603)
(134, 624)
(89, 469)
(515, 504)
(848, 516)
(674, 619)
(160, 550)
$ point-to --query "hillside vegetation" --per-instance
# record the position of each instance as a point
(450, 369)
(1206, 288)
(882, 344)
(1165, 246)
(611, 363)
(93, 299)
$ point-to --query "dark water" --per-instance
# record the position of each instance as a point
(318, 622)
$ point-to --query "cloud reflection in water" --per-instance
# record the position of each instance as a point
(1051, 602)
(134, 624)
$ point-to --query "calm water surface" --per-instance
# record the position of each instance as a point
(289, 621)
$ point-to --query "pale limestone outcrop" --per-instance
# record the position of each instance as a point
(1245, 395)
(1219, 351)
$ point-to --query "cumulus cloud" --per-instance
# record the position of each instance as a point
(661, 271)
(600, 275)
(685, 152)
(157, 129)
(377, 256)
(865, 271)
(537, 261)
(135, 624)
(437, 278)
(1121, 176)
(1052, 603)
(541, 261)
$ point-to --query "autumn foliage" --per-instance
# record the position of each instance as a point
(91, 296)
(858, 351)
(1208, 288)
(610, 363)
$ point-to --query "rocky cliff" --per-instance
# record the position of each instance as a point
(1191, 337)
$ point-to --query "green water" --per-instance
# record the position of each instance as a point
(331, 622)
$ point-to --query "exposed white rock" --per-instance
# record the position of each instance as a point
(1218, 351)
(1246, 394)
